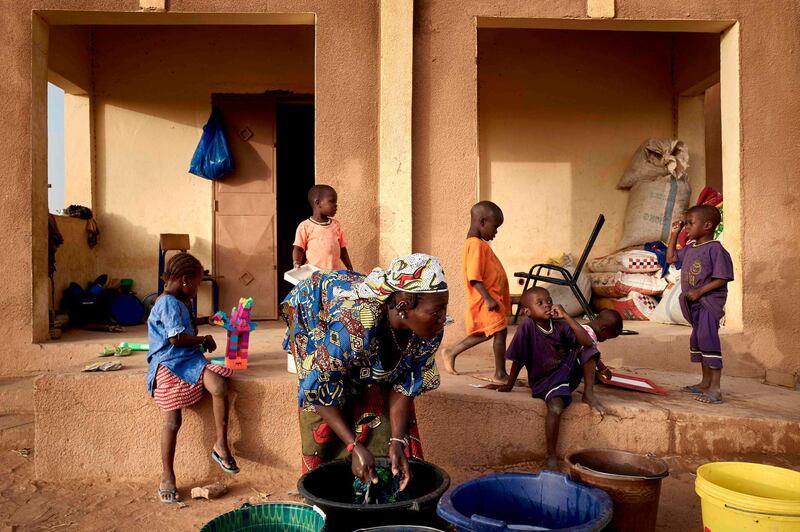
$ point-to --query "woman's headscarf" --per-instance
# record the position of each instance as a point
(418, 273)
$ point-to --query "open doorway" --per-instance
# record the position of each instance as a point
(561, 112)
(295, 162)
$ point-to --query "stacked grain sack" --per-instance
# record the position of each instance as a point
(630, 280)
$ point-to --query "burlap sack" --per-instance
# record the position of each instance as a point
(656, 158)
(652, 207)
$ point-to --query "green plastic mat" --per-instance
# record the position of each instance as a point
(269, 517)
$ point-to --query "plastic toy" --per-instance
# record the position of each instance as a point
(632, 382)
(135, 346)
(239, 327)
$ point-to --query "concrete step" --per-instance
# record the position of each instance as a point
(16, 395)
(16, 431)
(91, 426)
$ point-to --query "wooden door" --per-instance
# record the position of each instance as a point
(244, 206)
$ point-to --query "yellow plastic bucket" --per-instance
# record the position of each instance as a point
(744, 497)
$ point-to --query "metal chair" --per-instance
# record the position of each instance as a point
(567, 278)
(180, 242)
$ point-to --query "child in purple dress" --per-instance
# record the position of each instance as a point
(557, 353)
(705, 273)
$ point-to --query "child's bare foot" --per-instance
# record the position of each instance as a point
(449, 361)
(593, 402)
(500, 378)
(552, 463)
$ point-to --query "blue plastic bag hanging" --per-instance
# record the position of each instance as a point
(212, 159)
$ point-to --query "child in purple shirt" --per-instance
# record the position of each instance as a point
(557, 354)
(705, 273)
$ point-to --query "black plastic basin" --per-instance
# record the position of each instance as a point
(330, 487)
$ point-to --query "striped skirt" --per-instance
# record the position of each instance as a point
(173, 393)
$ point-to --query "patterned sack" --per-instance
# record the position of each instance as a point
(634, 306)
(620, 284)
(669, 308)
(634, 260)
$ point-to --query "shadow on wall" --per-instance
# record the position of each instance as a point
(560, 114)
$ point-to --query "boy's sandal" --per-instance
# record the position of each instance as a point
(707, 399)
(122, 351)
(107, 351)
(218, 459)
(103, 366)
(694, 390)
(162, 492)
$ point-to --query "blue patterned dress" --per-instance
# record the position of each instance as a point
(335, 344)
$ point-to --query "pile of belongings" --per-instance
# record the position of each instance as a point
(636, 281)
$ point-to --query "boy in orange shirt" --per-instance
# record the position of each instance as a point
(320, 241)
(488, 296)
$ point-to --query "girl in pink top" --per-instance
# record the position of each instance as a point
(320, 240)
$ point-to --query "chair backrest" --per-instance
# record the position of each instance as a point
(174, 242)
(588, 249)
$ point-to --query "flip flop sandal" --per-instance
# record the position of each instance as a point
(169, 491)
(694, 390)
(107, 351)
(707, 399)
(122, 351)
(103, 366)
(218, 459)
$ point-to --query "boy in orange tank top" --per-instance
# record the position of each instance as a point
(488, 295)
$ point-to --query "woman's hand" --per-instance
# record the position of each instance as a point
(364, 464)
(399, 461)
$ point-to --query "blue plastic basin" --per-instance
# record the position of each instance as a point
(522, 502)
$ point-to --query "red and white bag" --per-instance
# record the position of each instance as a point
(634, 306)
(635, 260)
(620, 284)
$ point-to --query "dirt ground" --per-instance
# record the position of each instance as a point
(27, 504)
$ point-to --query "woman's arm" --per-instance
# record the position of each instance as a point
(363, 462)
(399, 414)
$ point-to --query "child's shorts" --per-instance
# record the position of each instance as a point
(173, 393)
(704, 344)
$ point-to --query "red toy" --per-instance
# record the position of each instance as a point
(631, 382)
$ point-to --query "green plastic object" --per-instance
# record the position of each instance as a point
(133, 346)
(219, 361)
(269, 517)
